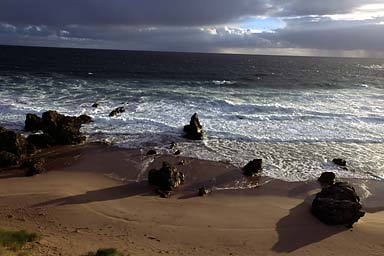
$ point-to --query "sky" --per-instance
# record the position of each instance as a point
(350, 28)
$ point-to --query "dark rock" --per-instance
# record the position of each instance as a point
(194, 130)
(337, 204)
(173, 145)
(327, 178)
(40, 140)
(253, 168)
(164, 193)
(339, 162)
(95, 105)
(8, 159)
(51, 120)
(12, 142)
(33, 123)
(117, 111)
(203, 191)
(68, 131)
(34, 166)
(167, 178)
(178, 152)
(84, 119)
(151, 152)
(182, 162)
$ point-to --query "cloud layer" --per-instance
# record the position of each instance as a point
(326, 27)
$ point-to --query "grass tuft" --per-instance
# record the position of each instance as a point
(12, 242)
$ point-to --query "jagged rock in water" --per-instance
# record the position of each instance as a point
(33, 123)
(117, 111)
(12, 142)
(34, 166)
(167, 178)
(340, 162)
(95, 105)
(194, 130)
(84, 119)
(327, 178)
(177, 152)
(151, 152)
(337, 204)
(64, 130)
(203, 191)
(253, 168)
(8, 159)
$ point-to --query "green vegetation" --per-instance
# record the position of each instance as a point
(12, 243)
(105, 252)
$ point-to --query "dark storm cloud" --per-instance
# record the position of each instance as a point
(193, 25)
(128, 12)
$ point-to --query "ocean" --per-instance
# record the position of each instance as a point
(296, 113)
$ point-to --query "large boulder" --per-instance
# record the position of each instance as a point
(40, 141)
(8, 159)
(33, 123)
(59, 130)
(194, 130)
(337, 204)
(166, 178)
(253, 168)
(12, 142)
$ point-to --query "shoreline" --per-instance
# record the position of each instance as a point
(78, 199)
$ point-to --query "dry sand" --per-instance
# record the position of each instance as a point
(97, 196)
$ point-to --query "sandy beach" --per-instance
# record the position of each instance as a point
(96, 196)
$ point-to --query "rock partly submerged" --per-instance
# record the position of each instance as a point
(253, 168)
(337, 204)
(194, 130)
(117, 111)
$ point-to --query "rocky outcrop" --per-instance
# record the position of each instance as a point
(253, 168)
(337, 204)
(339, 162)
(34, 166)
(117, 111)
(194, 130)
(32, 123)
(327, 178)
(166, 178)
(58, 129)
(12, 142)
(8, 159)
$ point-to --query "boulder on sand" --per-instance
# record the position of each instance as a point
(337, 204)
(34, 166)
(8, 159)
(166, 178)
(253, 168)
(194, 130)
(12, 142)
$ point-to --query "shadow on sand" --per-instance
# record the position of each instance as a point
(300, 228)
(100, 195)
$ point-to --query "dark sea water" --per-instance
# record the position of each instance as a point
(297, 113)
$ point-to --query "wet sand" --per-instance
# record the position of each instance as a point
(96, 196)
